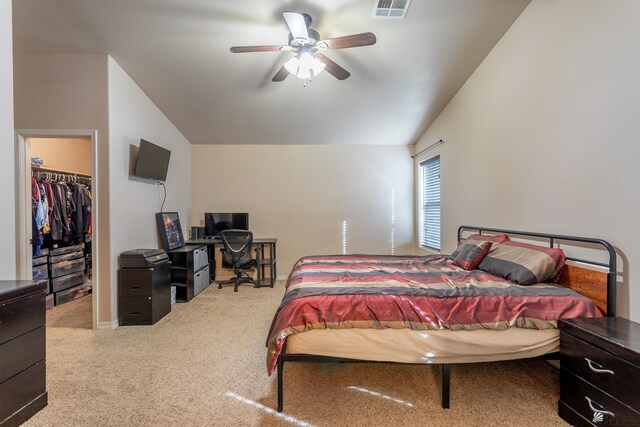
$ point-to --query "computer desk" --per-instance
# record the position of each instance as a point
(265, 260)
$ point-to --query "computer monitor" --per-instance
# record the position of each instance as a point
(170, 230)
(215, 223)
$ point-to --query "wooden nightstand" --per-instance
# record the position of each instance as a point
(599, 372)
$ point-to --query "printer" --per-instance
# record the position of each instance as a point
(143, 258)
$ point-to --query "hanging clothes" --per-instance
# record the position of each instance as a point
(61, 209)
(81, 212)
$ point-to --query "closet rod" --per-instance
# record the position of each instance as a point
(428, 148)
(44, 169)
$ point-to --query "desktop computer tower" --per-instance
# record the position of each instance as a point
(209, 225)
(197, 233)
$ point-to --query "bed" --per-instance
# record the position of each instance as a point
(430, 310)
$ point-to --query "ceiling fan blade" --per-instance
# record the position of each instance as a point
(355, 40)
(244, 49)
(297, 25)
(333, 68)
(280, 75)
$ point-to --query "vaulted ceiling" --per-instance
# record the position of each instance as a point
(178, 53)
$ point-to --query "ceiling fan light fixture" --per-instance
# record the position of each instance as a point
(304, 65)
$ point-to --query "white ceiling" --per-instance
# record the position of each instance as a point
(178, 53)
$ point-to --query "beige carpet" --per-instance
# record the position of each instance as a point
(204, 365)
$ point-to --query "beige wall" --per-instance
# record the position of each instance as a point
(85, 91)
(302, 194)
(134, 201)
(65, 154)
(69, 91)
(544, 135)
(7, 189)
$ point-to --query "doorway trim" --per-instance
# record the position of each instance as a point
(23, 204)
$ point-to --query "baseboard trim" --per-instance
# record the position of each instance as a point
(281, 277)
(108, 325)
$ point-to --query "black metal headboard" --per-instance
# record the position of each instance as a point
(552, 238)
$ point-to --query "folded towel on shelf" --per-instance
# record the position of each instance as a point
(37, 161)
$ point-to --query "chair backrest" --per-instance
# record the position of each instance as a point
(237, 247)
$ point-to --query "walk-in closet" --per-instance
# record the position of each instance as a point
(62, 225)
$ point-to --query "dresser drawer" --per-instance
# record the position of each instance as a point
(66, 267)
(592, 404)
(200, 258)
(21, 389)
(200, 280)
(20, 316)
(135, 282)
(71, 294)
(136, 310)
(65, 282)
(40, 272)
(39, 260)
(605, 371)
(66, 257)
(20, 353)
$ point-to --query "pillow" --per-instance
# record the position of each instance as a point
(498, 238)
(470, 252)
(523, 263)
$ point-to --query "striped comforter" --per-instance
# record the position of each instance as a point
(420, 293)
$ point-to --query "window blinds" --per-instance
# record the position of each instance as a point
(430, 203)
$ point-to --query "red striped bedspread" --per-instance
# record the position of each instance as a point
(415, 292)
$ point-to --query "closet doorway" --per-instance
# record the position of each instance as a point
(57, 222)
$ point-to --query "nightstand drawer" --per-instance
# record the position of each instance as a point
(602, 369)
(592, 404)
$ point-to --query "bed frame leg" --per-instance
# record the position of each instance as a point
(445, 385)
(280, 384)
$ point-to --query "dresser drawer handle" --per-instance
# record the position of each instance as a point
(598, 369)
(600, 410)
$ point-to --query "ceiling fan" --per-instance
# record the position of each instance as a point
(305, 43)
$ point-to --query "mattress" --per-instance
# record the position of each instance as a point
(409, 346)
(416, 309)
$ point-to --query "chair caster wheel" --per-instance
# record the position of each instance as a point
(235, 289)
(219, 286)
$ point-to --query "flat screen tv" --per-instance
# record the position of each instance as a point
(215, 223)
(170, 230)
(152, 162)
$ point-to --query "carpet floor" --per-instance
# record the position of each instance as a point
(204, 365)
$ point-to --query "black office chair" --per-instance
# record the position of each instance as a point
(236, 254)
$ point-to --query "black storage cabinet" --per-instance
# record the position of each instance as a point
(144, 286)
(23, 390)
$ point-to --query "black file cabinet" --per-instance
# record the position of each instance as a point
(144, 287)
(599, 371)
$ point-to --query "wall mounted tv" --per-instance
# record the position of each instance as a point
(215, 223)
(152, 162)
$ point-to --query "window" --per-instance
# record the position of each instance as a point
(430, 203)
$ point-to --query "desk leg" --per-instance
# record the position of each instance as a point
(259, 256)
(212, 262)
(280, 383)
(273, 248)
(273, 265)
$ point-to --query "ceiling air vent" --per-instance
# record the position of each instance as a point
(390, 9)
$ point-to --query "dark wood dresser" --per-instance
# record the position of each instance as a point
(22, 350)
(599, 372)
